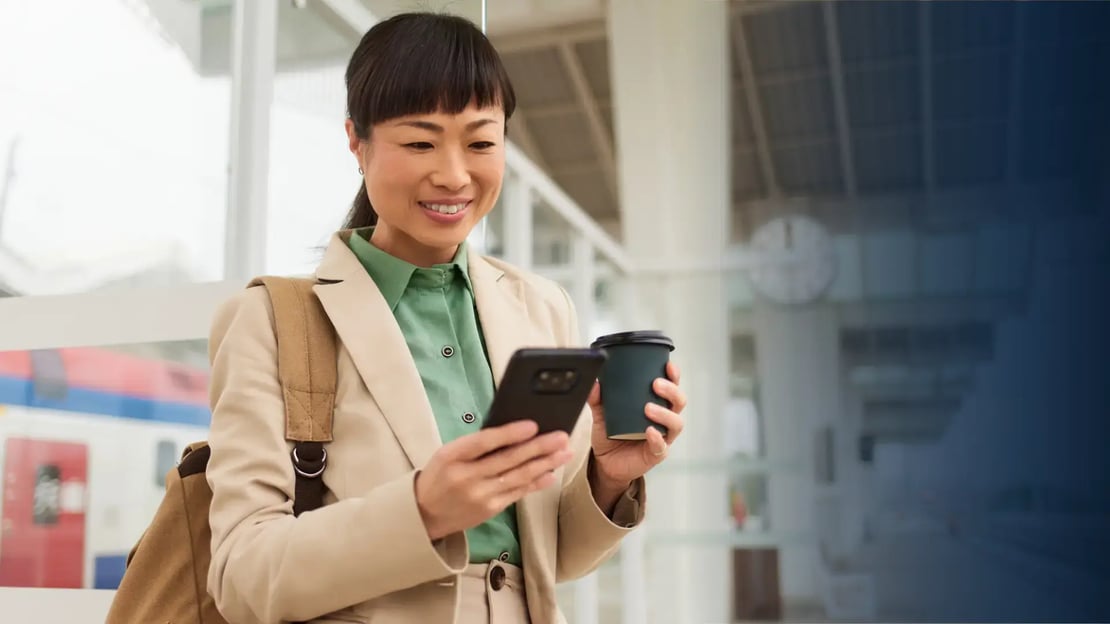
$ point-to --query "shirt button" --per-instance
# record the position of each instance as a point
(448, 351)
(503, 557)
(468, 418)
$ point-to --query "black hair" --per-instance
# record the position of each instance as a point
(416, 63)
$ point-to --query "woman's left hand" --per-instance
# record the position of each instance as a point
(619, 462)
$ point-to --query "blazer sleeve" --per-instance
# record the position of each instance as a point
(588, 537)
(267, 565)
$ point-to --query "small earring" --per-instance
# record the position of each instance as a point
(360, 170)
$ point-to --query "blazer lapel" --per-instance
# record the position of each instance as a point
(367, 328)
(507, 327)
(501, 313)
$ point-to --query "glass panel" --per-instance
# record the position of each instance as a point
(77, 454)
(551, 242)
(313, 176)
(490, 234)
(609, 293)
(113, 149)
(167, 454)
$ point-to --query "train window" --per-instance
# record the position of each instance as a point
(165, 460)
(47, 497)
(48, 374)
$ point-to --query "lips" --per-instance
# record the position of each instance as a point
(446, 212)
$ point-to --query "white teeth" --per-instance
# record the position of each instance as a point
(444, 208)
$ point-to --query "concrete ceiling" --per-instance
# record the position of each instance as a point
(843, 101)
(848, 105)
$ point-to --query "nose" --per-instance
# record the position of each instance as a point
(451, 171)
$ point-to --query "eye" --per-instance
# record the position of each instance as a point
(482, 145)
(420, 146)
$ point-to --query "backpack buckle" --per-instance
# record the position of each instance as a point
(308, 468)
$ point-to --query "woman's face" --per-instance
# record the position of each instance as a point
(431, 178)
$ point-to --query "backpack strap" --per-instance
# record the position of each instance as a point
(306, 345)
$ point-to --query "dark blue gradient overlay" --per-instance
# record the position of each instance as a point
(1020, 480)
(1006, 514)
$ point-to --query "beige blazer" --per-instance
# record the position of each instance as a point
(365, 556)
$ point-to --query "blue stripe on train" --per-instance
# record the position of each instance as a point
(108, 571)
(15, 391)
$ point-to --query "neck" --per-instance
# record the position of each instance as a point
(400, 245)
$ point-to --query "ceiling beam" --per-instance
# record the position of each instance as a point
(352, 13)
(574, 169)
(753, 7)
(840, 100)
(925, 50)
(1020, 205)
(561, 108)
(603, 144)
(742, 56)
(1013, 132)
(521, 134)
(593, 30)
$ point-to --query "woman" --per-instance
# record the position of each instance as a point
(429, 517)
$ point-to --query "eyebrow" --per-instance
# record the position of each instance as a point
(427, 125)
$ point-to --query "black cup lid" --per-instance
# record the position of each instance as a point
(633, 337)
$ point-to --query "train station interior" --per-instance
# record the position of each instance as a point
(878, 234)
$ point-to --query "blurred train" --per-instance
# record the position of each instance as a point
(86, 439)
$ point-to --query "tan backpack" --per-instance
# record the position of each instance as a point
(167, 571)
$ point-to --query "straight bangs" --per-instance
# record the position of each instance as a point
(424, 63)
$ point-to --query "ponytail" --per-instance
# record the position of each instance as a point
(362, 214)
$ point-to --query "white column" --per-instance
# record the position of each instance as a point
(585, 283)
(670, 82)
(798, 363)
(519, 210)
(253, 51)
(586, 596)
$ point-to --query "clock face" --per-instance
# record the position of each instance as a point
(795, 259)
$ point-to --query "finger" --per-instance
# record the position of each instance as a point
(673, 372)
(656, 446)
(534, 471)
(501, 500)
(670, 391)
(669, 419)
(595, 395)
(476, 445)
(509, 458)
(594, 401)
(508, 497)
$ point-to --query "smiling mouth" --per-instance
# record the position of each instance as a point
(447, 209)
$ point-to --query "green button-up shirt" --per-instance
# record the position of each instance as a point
(435, 310)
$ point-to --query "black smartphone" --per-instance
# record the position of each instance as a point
(549, 386)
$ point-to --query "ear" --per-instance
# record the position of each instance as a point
(354, 144)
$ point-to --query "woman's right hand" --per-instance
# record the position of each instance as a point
(471, 479)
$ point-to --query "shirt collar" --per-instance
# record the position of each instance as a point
(393, 275)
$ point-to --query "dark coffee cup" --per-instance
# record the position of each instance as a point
(635, 360)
